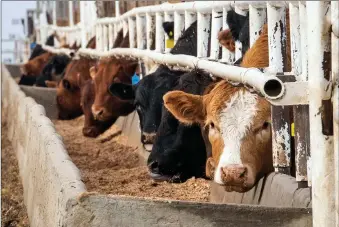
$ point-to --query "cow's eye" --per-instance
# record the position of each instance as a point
(265, 125)
(212, 125)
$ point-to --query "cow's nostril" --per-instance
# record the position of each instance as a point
(154, 167)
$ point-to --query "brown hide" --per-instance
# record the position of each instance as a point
(35, 66)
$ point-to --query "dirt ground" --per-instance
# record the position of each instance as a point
(13, 211)
(109, 166)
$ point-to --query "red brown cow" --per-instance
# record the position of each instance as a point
(68, 90)
(236, 122)
(110, 71)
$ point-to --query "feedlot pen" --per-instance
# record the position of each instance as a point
(103, 181)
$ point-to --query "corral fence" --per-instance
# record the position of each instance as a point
(305, 100)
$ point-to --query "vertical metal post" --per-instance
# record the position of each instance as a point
(189, 18)
(132, 32)
(99, 37)
(117, 8)
(159, 33)
(167, 18)
(257, 20)
(300, 112)
(335, 101)
(111, 36)
(281, 119)
(216, 28)
(141, 32)
(54, 14)
(125, 27)
(83, 5)
(70, 11)
(227, 56)
(150, 30)
(203, 31)
(104, 37)
(179, 25)
(238, 45)
(323, 186)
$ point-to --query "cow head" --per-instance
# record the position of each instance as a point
(68, 91)
(34, 67)
(226, 40)
(106, 73)
(92, 127)
(147, 99)
(237, 124)
(179, 150)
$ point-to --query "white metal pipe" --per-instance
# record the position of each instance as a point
(141, 32)
(159, 33)
(117, 8)
(167, 18)
(203, 31)
(105, 37)
(250, 76)
(238, 45)
(227, 56)
(295, 40)
(257, 20)
(179, 25)
(111, 36)
(321, 146)
(70, 8)
(132, 32)
(276, 37)
(190, 17)
(335, 102)
(217, 16)
(150, 30)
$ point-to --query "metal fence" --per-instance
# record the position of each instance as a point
(309, 90)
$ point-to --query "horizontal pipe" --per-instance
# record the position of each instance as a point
(270, 86)
(53, 50)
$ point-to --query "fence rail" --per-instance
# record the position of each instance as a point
(304, 90)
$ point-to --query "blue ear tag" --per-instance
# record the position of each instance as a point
(135, 79)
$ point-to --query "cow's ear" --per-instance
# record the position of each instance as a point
(187, 108)
(122, 91)
(93, 72)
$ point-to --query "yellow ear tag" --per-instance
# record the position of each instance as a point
(292, 129)
(170, 33)
(169, 43)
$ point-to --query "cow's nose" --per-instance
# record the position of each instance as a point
(235, 175)
(97, 112)
(154, 167)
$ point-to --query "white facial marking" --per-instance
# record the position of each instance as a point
(235, 119)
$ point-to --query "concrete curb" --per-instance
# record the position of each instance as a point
(49, 177)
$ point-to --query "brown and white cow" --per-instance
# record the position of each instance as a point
(236, 122)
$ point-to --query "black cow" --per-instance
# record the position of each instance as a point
(38, 48)
(147, 94)
(239, 26)
(174, 144)
(54, 70)
(179, 150)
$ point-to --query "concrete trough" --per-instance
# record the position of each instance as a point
(55, 195)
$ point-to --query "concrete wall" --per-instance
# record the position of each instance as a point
(55, 195)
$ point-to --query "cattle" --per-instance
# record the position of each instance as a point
(33, 68)
(93, 127)
(179, 150)
(236, 122)
(107, 72)
(53, 72)
(68, 90)
(147, 94)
